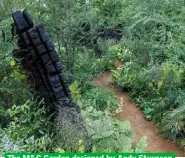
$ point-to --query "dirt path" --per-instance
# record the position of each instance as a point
(142, 127)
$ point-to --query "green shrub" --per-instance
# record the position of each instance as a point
(29, 129)
(126, 76)
(109, 134)
(87, 66)
(172, 124)
(99, 98)
(75, 90)
(141, 146)
(14, 88)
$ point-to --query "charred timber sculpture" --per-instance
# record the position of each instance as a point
(41, 62)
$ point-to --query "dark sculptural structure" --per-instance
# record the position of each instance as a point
(41, 62)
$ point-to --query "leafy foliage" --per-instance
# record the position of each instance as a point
(99, 98)
(109, 134)
(141, 146)
(28, 130)
(75, 90)
(173, 123)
